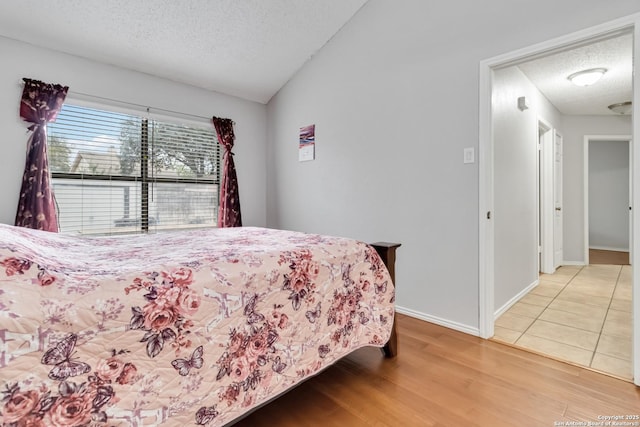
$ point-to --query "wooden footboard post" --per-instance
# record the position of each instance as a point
(387, 252)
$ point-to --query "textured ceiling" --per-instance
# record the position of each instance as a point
(251, 48)
(245, 48)
(550, 73)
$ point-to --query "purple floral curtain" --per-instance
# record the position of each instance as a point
(229, 209)
(41, 103)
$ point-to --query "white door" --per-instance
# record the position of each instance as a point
(546, 198)
(630, 202)
(557, 201)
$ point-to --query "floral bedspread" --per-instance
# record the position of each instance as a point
(177, 329)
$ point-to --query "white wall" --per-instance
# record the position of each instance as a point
(82, 76)
(575, 128)
(394, 96)
(609, 195)
(515, 181)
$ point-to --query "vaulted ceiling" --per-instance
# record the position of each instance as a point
(245, 48)
(251, 48)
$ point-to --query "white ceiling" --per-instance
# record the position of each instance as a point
(251, 48)
(550, 74)
(245, 48)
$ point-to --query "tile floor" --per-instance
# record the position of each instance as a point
(578, 314)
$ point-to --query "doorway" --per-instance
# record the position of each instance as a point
(549, 197)
(491, 203)
(608, 183)
(558, 221)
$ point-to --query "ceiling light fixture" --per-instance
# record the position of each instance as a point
(621, 107)
(587, 77)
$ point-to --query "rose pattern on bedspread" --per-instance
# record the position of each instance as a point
(300, 280)
(250, 355)
(19, 266)
(214, 322)
(30, 404)
(164, 316)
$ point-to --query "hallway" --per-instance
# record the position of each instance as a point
(579, 314)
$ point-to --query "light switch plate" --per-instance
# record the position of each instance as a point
(469, 155)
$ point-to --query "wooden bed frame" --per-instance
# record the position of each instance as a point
(387, 252)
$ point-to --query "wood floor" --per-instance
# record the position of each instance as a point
(598, 256)
(447, 378)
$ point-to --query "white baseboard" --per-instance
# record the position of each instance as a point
(439, 321)
(607, 248)
(515, 299)
(578, 263)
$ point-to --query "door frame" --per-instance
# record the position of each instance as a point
(545, 195)
(587, 140)
(558, 211)
(486, 258)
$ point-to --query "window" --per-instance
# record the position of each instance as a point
(115, 173)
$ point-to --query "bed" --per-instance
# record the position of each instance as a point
(173, 329)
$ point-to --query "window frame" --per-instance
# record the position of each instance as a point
(144, 178)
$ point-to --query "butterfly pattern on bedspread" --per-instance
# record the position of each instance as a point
(60, 356)
(70, 403)
(183, 366)
(175, 329)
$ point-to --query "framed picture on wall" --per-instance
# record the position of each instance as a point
(307, 144)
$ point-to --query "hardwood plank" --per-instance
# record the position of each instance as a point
(301, 413)
(447, 378)
(599, 256)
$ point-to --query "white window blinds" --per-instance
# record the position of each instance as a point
(115, 173)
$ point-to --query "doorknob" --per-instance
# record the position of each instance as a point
(558, 208)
